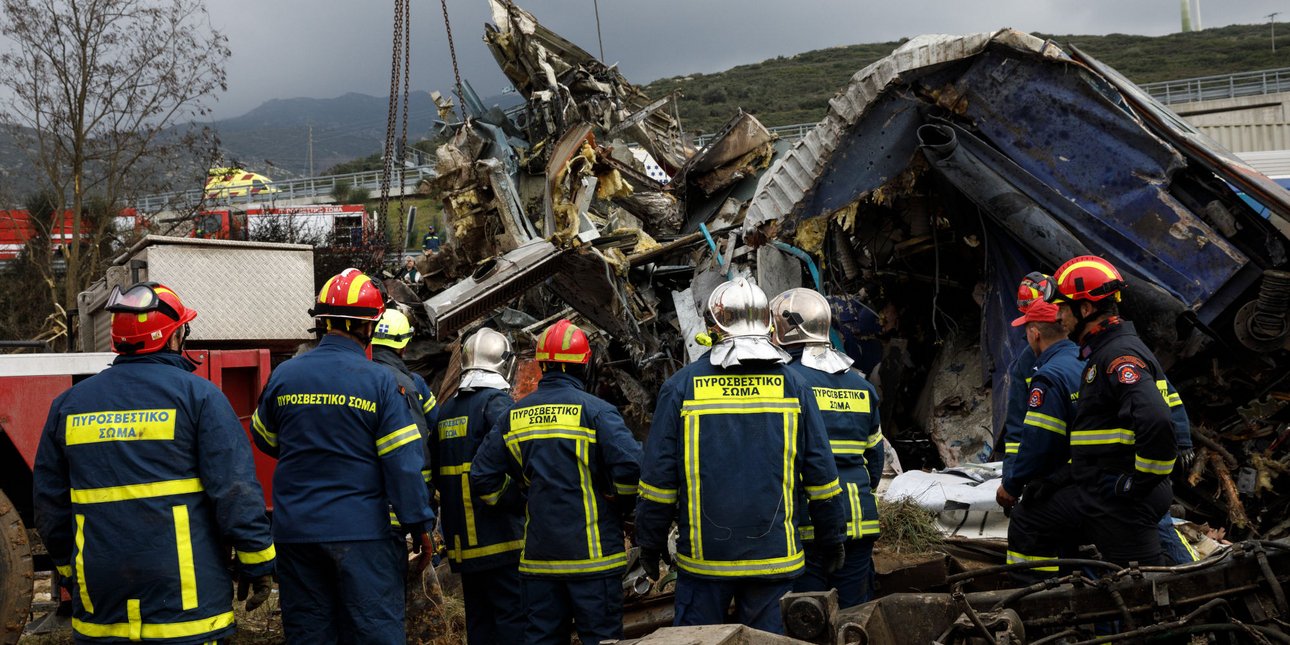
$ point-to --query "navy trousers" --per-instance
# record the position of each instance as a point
(854, 581)
(703, 601)
(494, 606)
(555, 605)
(343, 592)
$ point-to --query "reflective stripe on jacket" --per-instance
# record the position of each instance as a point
(1123, 424)
(142, 478)
(479, 536)
(1019, 374)
(1048, 408)
(849, 407)
(727, 452)
(572, 453)
(347, 447)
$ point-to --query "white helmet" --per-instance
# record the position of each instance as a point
(487, 350)
(800, 316)
(739, 308)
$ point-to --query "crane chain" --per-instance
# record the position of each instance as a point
(452, 52)
(391, 119)
(403, 137)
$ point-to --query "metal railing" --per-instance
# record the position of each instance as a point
(1223, 86)
(284, 189)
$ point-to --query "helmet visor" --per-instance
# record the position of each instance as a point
(1035, 287)
(139, 298)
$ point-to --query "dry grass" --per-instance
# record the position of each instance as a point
(908, 528)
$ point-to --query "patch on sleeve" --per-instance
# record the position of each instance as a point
(1128, 374)
(1036, 397)
(1090, 374)
(1115, 365)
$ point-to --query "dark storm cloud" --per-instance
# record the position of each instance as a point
(325, 48)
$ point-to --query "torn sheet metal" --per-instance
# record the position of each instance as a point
(492, 285)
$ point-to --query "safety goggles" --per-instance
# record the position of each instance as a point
(1041, 288)
(139, 298)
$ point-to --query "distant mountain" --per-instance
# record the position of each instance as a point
(273, 139)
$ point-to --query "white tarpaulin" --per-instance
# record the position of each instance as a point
(962, 498)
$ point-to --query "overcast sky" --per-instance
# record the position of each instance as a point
(325, 48)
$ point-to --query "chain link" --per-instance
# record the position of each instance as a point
(403, 137)
(391, 118)
(452, 52)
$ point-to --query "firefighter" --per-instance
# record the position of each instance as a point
(142, 478)
(734, 434)
(1034, 287)
(848, 403)
(484, 541)
(348, 451)
(1122, 443)
(1040, 446)
(389, 341)
(579, 464)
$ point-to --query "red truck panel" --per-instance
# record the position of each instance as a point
(240, 373)
(24, 404)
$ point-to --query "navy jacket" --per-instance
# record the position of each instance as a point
(849, 406)
(1124, 424)
(479, 536)
(1043, 445)
(726, 454)
(1019, 374)
(416, 392)
(573, 455)
(142, 479)
(347, 447)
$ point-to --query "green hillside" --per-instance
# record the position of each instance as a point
(796, 89)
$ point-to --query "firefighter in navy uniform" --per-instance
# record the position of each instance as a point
(348, 451)
(1039, 465)
(142, 478)
(849, 406)
(579, 464)
(734, 436)
(1122, 442)
(1022, 368)
(389, 341)
(484, 541)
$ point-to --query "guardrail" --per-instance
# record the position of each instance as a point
(1223, 86)
(284, 189)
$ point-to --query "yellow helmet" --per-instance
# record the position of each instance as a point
(393, 330)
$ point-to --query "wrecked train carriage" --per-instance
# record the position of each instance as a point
(949, 169)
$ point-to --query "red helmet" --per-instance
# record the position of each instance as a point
(563, 342)
(350, 294)
(144, 316)
(1088, 277)
(1035, 287)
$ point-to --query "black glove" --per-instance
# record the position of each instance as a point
(650, 559)
(1185, 457)
(833, 556)
(257, 587)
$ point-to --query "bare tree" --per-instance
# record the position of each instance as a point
(97, 89)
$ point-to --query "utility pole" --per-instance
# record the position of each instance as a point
(1273, 24)
(311, 150)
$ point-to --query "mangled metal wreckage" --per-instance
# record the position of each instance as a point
(940, 175)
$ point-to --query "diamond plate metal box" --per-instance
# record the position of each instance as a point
(245, 293)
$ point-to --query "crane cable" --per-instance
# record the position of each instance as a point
(452, 52)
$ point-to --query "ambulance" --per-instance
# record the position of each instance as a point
(224, 183)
